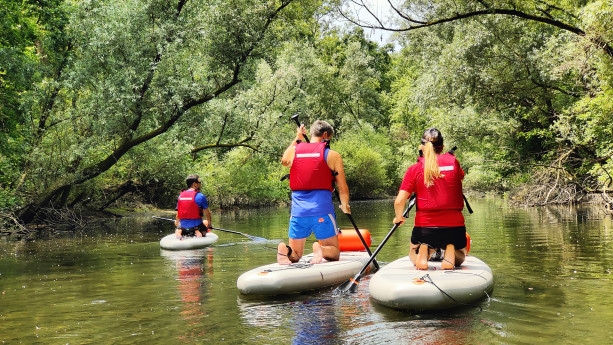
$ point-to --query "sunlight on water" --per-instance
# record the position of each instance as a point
(552, 269)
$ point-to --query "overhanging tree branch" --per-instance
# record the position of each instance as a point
(414, 24)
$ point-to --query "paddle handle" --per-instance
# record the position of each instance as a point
(295, 118)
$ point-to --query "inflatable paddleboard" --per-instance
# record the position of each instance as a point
(400, 285)
(171, 242)
(275, 279)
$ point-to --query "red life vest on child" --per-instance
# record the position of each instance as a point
(187, 207)
(309, 168)
(446, 193)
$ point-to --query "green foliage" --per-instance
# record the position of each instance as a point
(366, 161)
(241, 177)
(117, 101)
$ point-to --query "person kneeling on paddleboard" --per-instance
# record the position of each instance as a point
(191, 207)
(436, 179)
(313, 170)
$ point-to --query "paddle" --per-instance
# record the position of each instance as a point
(358, 232)
(470, 210)
(352, 284)
(295, 118)
(255, 238)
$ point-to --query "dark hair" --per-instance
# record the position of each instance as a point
(435, 137)
(319, 127)
(191, 179)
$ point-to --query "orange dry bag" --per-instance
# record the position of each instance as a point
(467, 243)
(348, 240)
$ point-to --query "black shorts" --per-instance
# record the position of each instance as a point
(188, 232)
(439, 237)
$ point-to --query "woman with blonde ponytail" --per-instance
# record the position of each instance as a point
(436, 179)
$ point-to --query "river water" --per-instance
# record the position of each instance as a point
(114, 285)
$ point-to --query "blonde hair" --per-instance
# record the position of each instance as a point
(431, 146)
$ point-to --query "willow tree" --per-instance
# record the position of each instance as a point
(129, 72)
(522, 83)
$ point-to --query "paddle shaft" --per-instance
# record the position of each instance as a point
(357, 277)
(225, 230)
(357, 231)
(295, 118)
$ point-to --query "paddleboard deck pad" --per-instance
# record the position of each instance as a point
(275, 279)
(400, 285)
(171, 242)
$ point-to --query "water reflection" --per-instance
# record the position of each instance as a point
(312, 320)
(552, 268)
(190, 266)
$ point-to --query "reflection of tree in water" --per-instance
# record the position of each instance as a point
(325, 318)
(191, 271)
(313, 320)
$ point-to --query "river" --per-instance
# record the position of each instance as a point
(114, 285)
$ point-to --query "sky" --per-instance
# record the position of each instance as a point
(382, 9)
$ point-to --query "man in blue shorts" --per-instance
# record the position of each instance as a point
(191, 207)
(313, 170)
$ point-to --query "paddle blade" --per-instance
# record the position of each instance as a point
(349, 286)
(257, 239)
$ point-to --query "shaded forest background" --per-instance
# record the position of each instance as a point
(108, 103)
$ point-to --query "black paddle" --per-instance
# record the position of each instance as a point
(255, 238)
(358, 232)
(351, 285)
(295, 118)
(470, 210)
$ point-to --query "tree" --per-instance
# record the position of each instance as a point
(128, 73)
(413, 15)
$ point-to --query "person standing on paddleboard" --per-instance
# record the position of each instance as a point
(436, 179)
(313, 170)
(191, 207)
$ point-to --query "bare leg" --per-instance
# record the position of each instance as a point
(297, 249)
(460, 256)
(328, 249)
(421, 262)
(449, 259)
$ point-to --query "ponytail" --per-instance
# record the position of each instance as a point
(431, 169)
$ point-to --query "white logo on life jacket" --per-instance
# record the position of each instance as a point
(185, 198)
(446, 168)
(303, 155)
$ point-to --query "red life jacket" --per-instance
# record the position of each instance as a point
(309, 168)
(187, 207)
(446, 193)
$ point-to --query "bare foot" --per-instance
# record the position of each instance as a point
(317, 255)
(449, 258)
(422, 257)
(282, 258)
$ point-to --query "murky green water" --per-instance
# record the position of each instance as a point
(552, 268)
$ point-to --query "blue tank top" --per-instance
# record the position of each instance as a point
(310, 203)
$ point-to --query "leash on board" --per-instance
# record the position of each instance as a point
(428, 279)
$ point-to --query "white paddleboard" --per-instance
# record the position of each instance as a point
(275, 279)
(171, 242)
(400, 285)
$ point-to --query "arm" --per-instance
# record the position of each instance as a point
(290, 152)
(335, 162)
(208, 221)
(401, 200)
